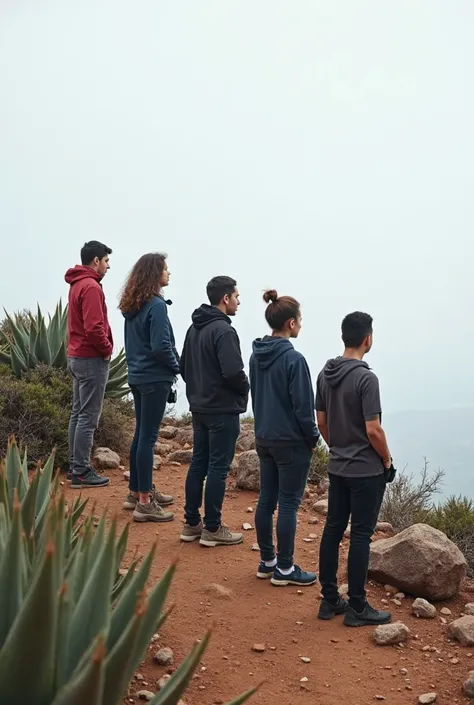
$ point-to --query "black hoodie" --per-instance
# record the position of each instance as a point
(348, 391)
(282, 394)
(211, 365)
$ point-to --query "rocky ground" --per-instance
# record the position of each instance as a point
(270, 634)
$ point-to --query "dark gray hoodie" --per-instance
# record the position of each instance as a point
(348, 391)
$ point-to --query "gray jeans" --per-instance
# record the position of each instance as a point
(89, 379)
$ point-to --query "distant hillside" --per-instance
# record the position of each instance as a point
(446, 438)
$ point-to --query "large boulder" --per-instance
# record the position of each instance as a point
(462, 630)
(248, 471)
(421, 561)
(246, 441)
(181, 456)
(106, 459)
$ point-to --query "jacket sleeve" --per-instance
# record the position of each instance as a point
(95, 326)
(302, 397)
(182, 359)
(230, 361)
(160, 338)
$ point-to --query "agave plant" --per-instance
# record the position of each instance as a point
(30, 340)
(63, 617)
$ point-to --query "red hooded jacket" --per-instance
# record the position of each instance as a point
(89, 332)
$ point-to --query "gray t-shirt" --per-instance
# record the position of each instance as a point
(348, 391)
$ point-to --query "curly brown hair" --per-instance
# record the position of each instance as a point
(144, 282)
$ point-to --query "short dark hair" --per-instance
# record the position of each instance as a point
(280, 309)
(355, 329)
(219, 287)
(94, 249)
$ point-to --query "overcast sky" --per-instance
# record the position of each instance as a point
(323, 148)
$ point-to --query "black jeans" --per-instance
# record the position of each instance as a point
(214, 440)
(359, 498)
(283, 476)
(150, 405)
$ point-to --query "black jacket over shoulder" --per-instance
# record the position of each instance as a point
(211, 365)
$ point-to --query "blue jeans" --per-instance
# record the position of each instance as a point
(150, 405)
(359, 498)
(215, 437)
(283, 476)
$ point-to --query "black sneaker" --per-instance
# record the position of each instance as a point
(296, 577)
(368, 617)
(328, 611)
(88, 479)
(264, 572)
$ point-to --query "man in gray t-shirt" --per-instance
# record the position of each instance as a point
(349, 416)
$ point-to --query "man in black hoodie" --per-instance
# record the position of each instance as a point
(217, 389)
(349, 417)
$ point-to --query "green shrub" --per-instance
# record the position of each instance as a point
(455, 517)
(319, 464)
(36, 408)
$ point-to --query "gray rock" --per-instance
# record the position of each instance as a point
(163, 681)
(469, 608)
(386, 634)
(462, 630)
(427, 698)
(106, 459)
(321, 506)
(164, 657)
(468, 686)
(156, 462)
(383, 527)
(422, 608)
(421, 561)
(246, 441)
(183, 457)
(184, 435)
(248, 471)
(322, 487)
(145, 695)
(163, 448)
(168, 432)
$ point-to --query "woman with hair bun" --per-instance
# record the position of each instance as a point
(286, 433)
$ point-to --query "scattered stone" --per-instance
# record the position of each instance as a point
(246, 526)
(469, 608)
(313, 520)
(246, 441)
(462, 630)
(164, 657)
(322, 487)
(156, 462)
(344, 590)
(259, 648)
(183, 457)
(126, 475)
(396, 633)
(249, 510)
(305, 659)
(454, 661)
(140, 677)
(304, 680)
(421, 561)
(380, 697)
(308, 540)
(321, 506)
(383, 527)
(313, 536)
(184, 436)
(422, 608)
(168, 432)
(219, 591)
(400, 596)
(145, 695)
(255, 547)
(106, 459)
(446, 611)
(390, 589)
(403, 671)
(468, 686)
(163, 448)
(163, 681)
(248, 471)
(427, 699)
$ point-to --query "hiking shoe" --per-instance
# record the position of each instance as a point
(328, 611)
(296, 577)
(162, 499)
(221, 537)
(264, 572)
(88, 479)
(151, 512)
(130, 501)
(368, 617)
(191, 533)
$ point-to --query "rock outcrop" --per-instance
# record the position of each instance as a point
(421, 561)
(248, 471)
(106, 459)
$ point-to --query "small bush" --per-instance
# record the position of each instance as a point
(319, 464)
(455, 517)
(36, 409)
(408, 501)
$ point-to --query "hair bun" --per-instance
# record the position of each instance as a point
(270, 296)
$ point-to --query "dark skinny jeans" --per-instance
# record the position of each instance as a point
(359, 498)
(283, 476)
(150, 405)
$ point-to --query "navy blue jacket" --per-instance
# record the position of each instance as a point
(150, 345)
(282, 394)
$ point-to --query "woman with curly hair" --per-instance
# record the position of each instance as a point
(153, 365)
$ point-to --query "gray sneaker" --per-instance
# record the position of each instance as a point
(221, 537)
(151, 512)
(191, 533)
(131, 500)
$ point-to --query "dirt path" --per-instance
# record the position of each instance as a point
(345, 666)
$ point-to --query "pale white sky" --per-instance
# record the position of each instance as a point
(324, 148)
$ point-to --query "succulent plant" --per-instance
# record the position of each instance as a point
(29, 339)
(65, 619)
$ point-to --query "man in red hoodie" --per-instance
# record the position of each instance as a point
(90, 346)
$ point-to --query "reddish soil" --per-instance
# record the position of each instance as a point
(346, 667)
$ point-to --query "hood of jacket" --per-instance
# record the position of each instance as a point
(80, 272)
(130, 315)
(206, 314)
(335, 370)
(268, 349)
